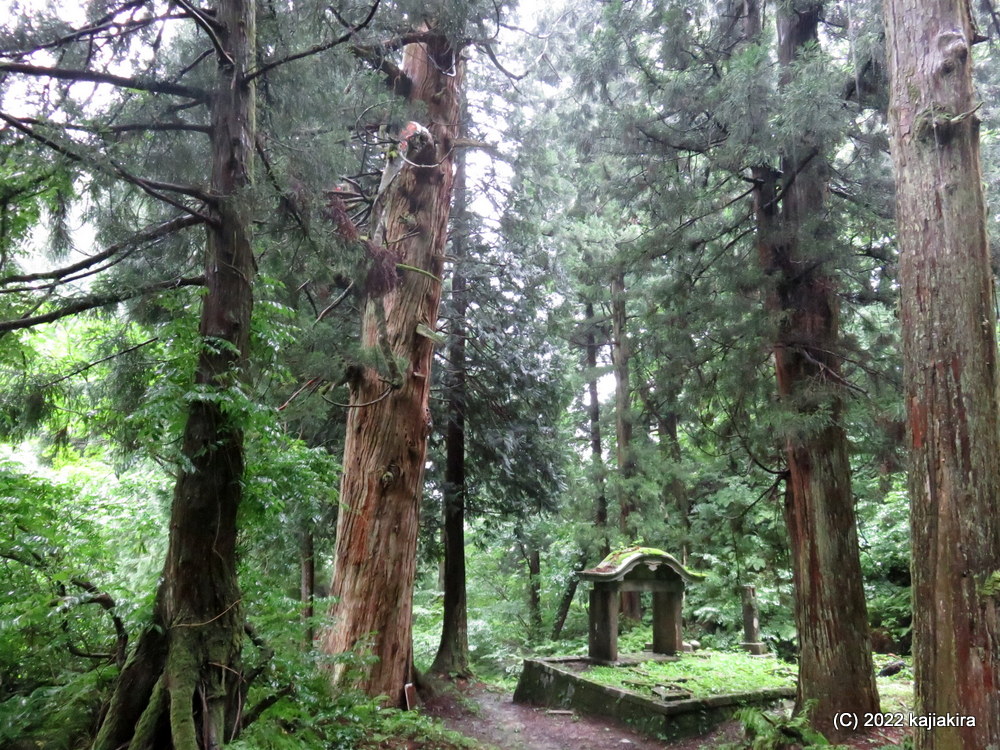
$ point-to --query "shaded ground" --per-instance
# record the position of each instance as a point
(491, 717)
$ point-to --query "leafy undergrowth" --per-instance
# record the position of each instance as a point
(701, 674)
(410, 730)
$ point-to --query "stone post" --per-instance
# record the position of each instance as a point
(751, 624)
(603, 638)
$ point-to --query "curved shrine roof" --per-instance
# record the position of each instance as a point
(619, 563)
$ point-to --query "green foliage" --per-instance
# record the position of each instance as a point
(303, 712)
(883, 528)
(627, 152)
(766, 732)
(78, 547)
(59, 716)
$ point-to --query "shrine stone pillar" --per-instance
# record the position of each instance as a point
(636, 569)
(603, 638)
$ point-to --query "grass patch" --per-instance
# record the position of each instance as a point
(412, 730)
(895, 692)
(701, 674)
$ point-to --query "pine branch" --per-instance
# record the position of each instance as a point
(126, 128)
(108, 605)
(351, 31)
(91, 76)
(155, 127)
(105, 23)
(146, 235)
(93, 301)
(89, 33)
(488, 48)
(150, 187)
(209, 27)
(89, 365)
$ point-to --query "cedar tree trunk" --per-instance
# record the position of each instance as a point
(674, 493)
(835, 666)
(597, 467)
(452, 656)
(534, 558)
(950, 358)
(182, 688)
(594, 420)
(387, 428)
(620, 355)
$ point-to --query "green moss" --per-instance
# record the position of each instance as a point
(703, 674)
(619, 555)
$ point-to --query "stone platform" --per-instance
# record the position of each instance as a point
(557, 683)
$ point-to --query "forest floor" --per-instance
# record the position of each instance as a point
(491, 717)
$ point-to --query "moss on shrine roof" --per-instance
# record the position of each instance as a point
(619, 562)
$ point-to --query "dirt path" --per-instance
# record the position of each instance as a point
(491, 717)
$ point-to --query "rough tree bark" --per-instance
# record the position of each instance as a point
(387, 427)
(452, 656)
(950, 369)
(835, 666)
(181, 689)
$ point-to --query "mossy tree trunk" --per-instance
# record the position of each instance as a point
(181, 689)
(950, 370)
(387, 427)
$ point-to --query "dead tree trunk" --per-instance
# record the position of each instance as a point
(181, 689)
(950, 367)
(388, 422)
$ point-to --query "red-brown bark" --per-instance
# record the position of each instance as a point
(950, 370)
(387, 433)
(835, 666)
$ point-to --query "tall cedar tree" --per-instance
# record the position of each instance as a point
(950, 365)
(835, 665)
(621, 354)
(182, 688)
(387, 426)
(452, 656)
(600, 514)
